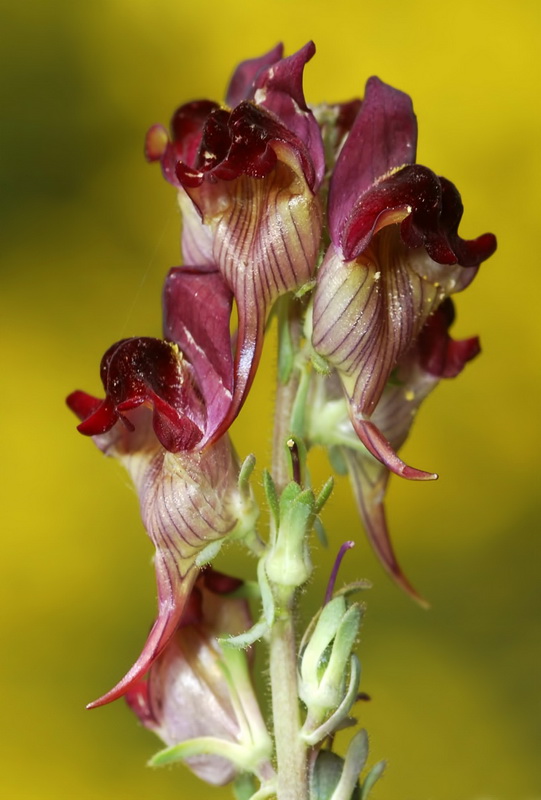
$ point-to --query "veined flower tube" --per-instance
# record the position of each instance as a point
(197, 688)
(395, 254)
(435, 356)
(188, 499)
(247, 179)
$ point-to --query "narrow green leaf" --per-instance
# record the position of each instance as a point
(324, 494)
(272, 497)
(320, 532)
(375, 773)
(286, 350)
(246, 473)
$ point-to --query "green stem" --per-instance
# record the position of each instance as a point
(291, 751)
(286, 392)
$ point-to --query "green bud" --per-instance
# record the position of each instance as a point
(288, 562)
(325, 663)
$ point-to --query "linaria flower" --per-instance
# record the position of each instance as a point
(395, 254)
(193, 690)
(152, 415)
(247, 177)
(434, 356)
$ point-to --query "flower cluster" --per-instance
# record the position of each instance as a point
(327, 206)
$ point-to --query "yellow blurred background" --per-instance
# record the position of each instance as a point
(89, 230)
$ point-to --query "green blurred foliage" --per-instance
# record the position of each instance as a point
(89, 231)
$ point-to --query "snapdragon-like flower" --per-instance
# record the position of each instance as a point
(196, 689)
(435, 356)
(395, 254)
(247, 177)
(188, 499)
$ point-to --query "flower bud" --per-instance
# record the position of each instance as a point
(324, 666)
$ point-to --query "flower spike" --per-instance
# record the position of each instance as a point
(247, 181)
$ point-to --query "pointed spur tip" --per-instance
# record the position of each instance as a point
(414, 474)
(401, 580)
(376, 444)
(108, 697)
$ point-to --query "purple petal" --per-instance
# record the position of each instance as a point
(144, 372)
(187, 127)
(376, 444)
(383, 138)
(197, 312)
(160, 635)
(241, 86)
(369, 483)
(279, 90)
(439, 354)
(467, 253)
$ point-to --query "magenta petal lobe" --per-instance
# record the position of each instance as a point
(197, 312)
(382, 139)
(241, 86)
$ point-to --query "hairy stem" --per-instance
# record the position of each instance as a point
(290, 749)
(291, 753)
(289, 325)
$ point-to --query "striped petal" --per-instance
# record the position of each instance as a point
(436, 356)
(395, 255)
(266, 234)
(369, 309)
(186, 502)
(368, 312)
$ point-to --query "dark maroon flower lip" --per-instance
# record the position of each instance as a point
(241, 142)
(429, 210)
(382, 139)
(268, 109)
(150, 372)
(387, 186)
(439, 354)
